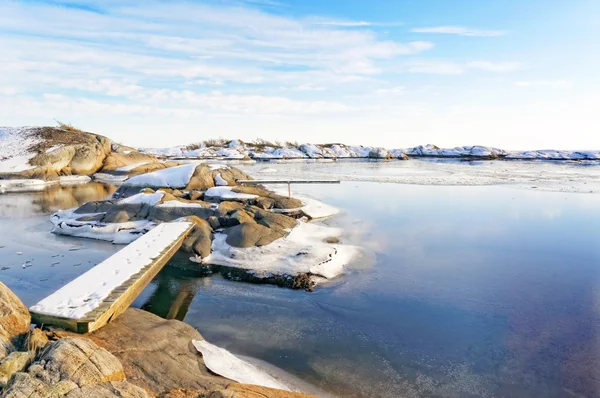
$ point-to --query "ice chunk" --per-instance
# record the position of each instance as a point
(224, 363)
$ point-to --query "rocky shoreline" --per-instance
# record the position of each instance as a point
(138, 355)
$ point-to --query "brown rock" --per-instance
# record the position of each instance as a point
(226, 207)
(199, 241)
(250, 234)
(242, 216)
(236, 390)
(150, 167)
(114, 160)
(14, 320)
(214, 223)
(184, 393)
(36, 340)
(157, 354)
(196, 195)
(275, 220)
(264, 203)
(15, 362)
(73, 367)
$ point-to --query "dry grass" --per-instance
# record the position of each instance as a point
(292, 144)
(216, 142)
(68, 127)
(261, 144)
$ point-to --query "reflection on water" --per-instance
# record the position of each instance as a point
(55, 197)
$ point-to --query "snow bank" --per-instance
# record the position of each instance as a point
(14, 149)
(176, 203)
(237, 150)
(226, 193)
(173, 177)
(65, 223)
(110, 178)
(144, 198)
(24, 185)
(74, 180)
(219, 181)
(86, 293)
(304, 250)
(224, 363)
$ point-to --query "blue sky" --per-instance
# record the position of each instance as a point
(507, 73)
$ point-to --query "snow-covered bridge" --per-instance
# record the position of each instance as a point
(108, 289)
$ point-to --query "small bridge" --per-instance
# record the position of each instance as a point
(108, 289)
(288, 182)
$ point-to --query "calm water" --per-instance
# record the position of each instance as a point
(461, 291)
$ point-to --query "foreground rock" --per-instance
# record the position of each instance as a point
(157, 354)
(138, 355)
(73, 367)
(14, 321)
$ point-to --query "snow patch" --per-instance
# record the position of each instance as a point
(177, 203)
(226, 193)
(219, 181)
(144, 198)
(173, 177)
(304, 250)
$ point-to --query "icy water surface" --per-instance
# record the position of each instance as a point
(462, 290)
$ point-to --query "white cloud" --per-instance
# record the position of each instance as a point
(309, 87)
(452, 68)
(392, 91)
(494, 66)
(564, 84)
(460, 31)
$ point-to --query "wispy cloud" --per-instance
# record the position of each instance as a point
(452, 68)
(564, 84)
(460, 31)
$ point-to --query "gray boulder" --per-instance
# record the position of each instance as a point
(250, 234)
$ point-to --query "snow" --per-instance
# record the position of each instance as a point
(110, 178)
(173, 177)
(87, 292)
(74, 180)
(24, 185)
(219, 181)
(304, 250)
(131, 166)
(144, 198)
(14, 144)
(224, 363)
(226, 193)
(216, 166)
(267, 170)
(65, 223)
(177, 203)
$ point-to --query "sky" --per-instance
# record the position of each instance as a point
(396, 73)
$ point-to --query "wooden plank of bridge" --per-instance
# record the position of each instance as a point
(119, 298)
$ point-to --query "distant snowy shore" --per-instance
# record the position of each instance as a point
(263, 150)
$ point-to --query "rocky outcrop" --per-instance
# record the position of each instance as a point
(251, 391)
(73, 367)
(14, 321)
(57, 151)
(157, 354)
